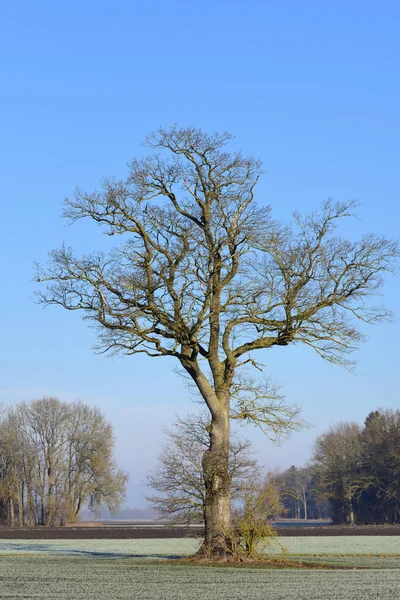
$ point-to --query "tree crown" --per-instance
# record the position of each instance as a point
(203, 272)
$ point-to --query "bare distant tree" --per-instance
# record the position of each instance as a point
(11, 461)
(205, 275)
(380, 465)
(54, 457)
(178, 480)
(337, 458)
(297, 488)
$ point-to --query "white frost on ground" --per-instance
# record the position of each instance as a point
(142, 548)
(168, 548)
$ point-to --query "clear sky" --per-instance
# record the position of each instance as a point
(311, 88)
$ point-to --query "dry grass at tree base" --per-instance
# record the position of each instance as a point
(250, 562)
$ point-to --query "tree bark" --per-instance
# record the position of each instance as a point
(21, 507)
(30, 509)
(11, 513)
(305, 508)
(217, 481)
(217, 488)
(350, 510)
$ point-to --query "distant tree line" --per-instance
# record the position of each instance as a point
(358, 469)
(354, 475)
(55, 457)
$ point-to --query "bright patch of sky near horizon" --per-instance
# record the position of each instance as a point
(310, 88)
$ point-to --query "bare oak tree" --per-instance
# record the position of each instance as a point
(205, 275)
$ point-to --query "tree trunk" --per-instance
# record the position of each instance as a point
(30, 509)
(305, 509)
(22, 512)
(217, 481)
(11, 513)
(350, 510)
(217, 489)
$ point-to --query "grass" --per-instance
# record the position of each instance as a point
(72, 578)
(171, 548)
(115, 569)
(340, 545)
(137, 549)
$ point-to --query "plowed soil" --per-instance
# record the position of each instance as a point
(138, 532)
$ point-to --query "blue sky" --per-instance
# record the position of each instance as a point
(310, 88)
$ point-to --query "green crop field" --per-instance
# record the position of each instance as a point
(116, 569)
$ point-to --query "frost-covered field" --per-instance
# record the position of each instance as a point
(115, 569)
(74, 578)
(340, 545)
(131, 548)
(166, 548)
